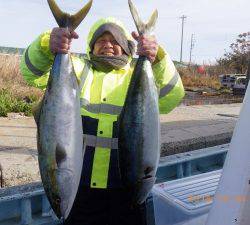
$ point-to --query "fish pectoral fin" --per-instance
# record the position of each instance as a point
(64, 19)
(140, 25)
(60, 154)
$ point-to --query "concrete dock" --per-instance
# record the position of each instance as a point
(193, 127)
(184, 129)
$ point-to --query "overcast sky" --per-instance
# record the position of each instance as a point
(215, 23)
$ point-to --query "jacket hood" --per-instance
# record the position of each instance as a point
(101, 22)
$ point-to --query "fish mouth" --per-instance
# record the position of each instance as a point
(67, 186)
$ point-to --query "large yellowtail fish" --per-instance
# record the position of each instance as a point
(139, 125)
(60, 135)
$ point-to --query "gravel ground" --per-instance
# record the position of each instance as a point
(18, 154)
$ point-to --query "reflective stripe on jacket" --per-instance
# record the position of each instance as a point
(102, 98)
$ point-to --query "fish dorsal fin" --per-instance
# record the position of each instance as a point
(143, 28)
(66, 20)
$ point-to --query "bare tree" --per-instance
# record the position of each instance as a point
(237, 59)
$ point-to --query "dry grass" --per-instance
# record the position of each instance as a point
(12, 79)
(191, 78)
(15, 94)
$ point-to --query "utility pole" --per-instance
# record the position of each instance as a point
(248, 64)
(191, 48)
(182, 27)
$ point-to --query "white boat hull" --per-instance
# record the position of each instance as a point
(231, 203)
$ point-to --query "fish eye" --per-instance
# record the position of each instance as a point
(58, 201)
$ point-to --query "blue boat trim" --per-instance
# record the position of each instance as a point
(191, 163)
(25, 204)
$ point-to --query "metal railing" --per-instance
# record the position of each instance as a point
(24, 202)
(185, 161)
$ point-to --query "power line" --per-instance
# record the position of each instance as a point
(191, 48)
(182, 28)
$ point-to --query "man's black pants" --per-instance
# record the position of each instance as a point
(105, 207)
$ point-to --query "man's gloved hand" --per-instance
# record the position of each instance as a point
(147, 46)
(60, 40)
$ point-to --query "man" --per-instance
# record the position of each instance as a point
(107, 69)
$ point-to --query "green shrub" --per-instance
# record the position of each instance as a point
(11, 103)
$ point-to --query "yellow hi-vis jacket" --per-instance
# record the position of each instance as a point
(102, 99)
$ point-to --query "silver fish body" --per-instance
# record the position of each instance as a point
(139, 125)
(60, 137)
(59, 125)
(139, 133)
